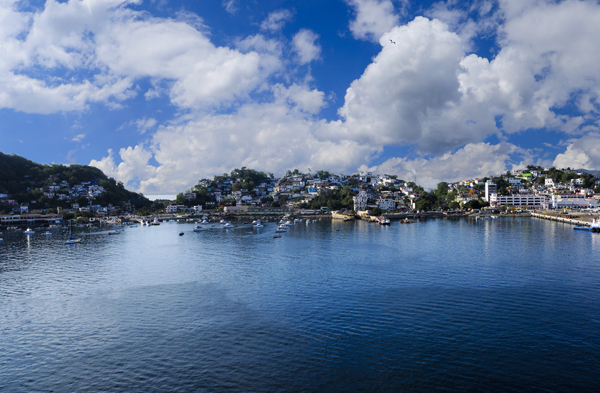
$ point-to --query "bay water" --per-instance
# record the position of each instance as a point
(507, 304)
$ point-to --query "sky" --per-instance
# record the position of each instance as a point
(160, 93)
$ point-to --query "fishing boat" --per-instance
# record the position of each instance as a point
(71, 239)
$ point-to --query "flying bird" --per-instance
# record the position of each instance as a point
(392, 42)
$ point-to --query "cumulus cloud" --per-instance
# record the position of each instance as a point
(373, 18)
(272, 136)
(473, 160)
(304, 43)
(410, 92)
(582, 153)
(118, 46)
(276, 20)
(133, 167)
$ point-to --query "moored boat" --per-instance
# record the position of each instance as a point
(71, 239)
(381, 220)
(595, 227)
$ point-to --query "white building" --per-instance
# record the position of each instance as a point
(490, 188)
(549, 182)
(197, 209)
(535, 201)
(360, 201)
(386, 204)
(573, 201)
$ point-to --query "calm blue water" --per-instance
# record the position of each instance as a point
(493, 305)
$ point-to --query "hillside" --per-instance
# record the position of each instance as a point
(50, 186)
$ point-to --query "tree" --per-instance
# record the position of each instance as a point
(375, 212)
(442, 189)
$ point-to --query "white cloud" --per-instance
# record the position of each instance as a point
(231, 6)
(144, 124)
(305, 46)
(473, 160)
(276, 20)
(410, 92)
(373, 18)
(133, 167)
(582, 153)
(78, 138)
(273, 136)
(117, 45)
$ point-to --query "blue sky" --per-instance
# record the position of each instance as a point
(161, 93)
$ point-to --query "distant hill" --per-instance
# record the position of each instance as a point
(28, 182)
(591, 172)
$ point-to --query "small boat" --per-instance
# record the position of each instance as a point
(276, 236)
(383, 220)
(595, 227)
(47, 233)
(113, 232)
(281, 229)
(28, 231)
(71, 239)
(258, 224)
(181, 233)
(155, 222)
(199, 228)
(228, 225)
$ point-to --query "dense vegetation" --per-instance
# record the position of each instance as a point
(22, 179)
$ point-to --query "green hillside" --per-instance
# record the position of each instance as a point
(28, 182)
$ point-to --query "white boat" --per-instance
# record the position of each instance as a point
(198, 228)
(383, 221)
(258, 224)
(228, 225)
(28, 231)
(281, 229)
(297, 220)
(71, 239)
(47, 233)
(155, 222)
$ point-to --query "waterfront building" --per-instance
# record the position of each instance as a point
(360, 201)
(490, 188)
(532, 201)
(573, 201)
(386, 204)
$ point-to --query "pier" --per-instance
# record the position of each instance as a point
(580, 219)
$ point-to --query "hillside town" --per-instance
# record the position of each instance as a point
(248, 191)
